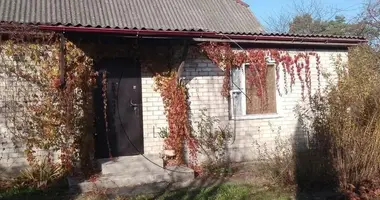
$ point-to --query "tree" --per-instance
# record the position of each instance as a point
(305, 24)
(313, 17)
(371, 18)
(301, 11)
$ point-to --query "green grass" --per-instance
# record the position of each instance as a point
(32, 194)
(218, 192)
(222, 192)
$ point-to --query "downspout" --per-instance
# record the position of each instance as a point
(62, 63)
(183, 59)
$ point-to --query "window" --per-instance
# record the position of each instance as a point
(245, 102)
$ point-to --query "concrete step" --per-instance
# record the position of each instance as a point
(171, 175)
(131, 164)
(112, 182)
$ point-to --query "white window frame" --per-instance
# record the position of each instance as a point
(244, 99)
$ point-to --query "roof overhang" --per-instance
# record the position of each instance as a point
(221, 37)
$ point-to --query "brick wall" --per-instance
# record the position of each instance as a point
(204, 81)
(12, 155)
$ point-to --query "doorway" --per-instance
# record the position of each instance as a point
(123, 102)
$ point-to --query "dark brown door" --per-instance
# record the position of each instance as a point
(124, 111)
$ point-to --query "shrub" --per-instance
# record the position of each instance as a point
(213, 140)
(343, 128)
(279, 162)
(289, 164)
(40, 175)
(345, 124)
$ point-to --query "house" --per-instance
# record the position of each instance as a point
(106, 31)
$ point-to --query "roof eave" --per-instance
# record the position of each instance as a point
(213, 36)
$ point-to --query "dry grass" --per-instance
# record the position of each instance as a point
(346, 123)
(343, 128)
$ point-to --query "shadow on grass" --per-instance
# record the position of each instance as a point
(315, 174)
(58, 190)
(220, 191)
(224, 191)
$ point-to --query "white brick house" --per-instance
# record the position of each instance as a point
(178, 22)
(204, 81)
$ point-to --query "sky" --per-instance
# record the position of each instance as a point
(265, 8)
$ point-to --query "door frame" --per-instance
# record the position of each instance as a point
(101, 65)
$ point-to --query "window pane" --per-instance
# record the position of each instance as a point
(237, 103)
(267, 102)
(236, 79)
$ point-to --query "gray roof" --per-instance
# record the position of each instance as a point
(310, 35)
(222, 16)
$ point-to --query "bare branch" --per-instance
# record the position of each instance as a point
(280, 22)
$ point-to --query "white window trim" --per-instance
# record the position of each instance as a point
(244, 115)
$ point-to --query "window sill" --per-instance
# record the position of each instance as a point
(252, 117)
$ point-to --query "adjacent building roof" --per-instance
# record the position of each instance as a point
(309, 35)
(221, 16)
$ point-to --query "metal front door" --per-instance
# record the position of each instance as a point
(124, 111)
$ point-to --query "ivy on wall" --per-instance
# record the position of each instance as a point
(292, 66)
(62, 118)
(174, 96)
(43, 115)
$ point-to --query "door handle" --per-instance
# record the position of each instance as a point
(133, 104)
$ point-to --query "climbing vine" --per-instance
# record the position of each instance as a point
(174, 96)
(292, 66)
(44, 113)
(60, 117)
(105, 99)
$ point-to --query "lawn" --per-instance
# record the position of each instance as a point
(225, 191)
(33, 194)
(246, 183)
